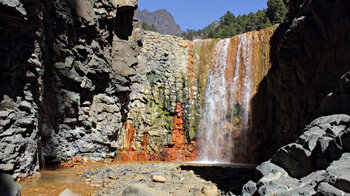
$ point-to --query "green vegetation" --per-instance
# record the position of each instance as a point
(277, 10)
(148, 27)
(231, 25)
(237, 113)
(193, 34)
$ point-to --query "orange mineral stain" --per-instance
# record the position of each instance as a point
(179, 150)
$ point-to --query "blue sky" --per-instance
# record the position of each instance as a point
(197, 14)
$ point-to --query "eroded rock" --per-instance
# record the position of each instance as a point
(323, 169)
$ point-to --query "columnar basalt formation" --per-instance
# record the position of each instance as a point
(175, 70)
(161, 72)
(179, 149)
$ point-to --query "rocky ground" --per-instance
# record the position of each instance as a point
(317, 164)
(160, 179)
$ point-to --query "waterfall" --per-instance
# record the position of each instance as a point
(225, 115)
(215, 107)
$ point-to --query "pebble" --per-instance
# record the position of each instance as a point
(158, 179)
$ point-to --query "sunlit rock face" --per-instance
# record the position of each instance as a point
(214, 80)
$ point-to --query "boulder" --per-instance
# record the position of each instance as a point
(8, 167)
(294, 159)
(267, 167)
(249, 188)
(9, 187)
(305, 190)
(344, 140)
(325, 152)
(276, 184)
(142, 190)
(326, 189)
(338, 173)
(16, 4)
(322, 167)
(336, 119)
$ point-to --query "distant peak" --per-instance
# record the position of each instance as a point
(162, 19)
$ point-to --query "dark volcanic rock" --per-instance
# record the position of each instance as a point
(8, 187)
(65, 69)
(162, 19)
(309, 54)
(338, 101)
(294, 159)
(323, 169)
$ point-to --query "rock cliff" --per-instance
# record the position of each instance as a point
(162, 76)
(67, 68)
(173, 70)
(82, 79)
(309, 79)
(309, 54)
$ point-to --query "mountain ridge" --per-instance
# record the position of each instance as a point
(161, 19)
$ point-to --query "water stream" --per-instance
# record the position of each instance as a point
(225, 116)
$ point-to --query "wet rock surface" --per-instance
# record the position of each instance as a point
(318, 163)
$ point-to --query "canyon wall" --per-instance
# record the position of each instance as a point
(149, 123)
(309, 54)
(67, 68)
(82, 79)
(179, 71)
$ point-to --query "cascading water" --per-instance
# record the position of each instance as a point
(225, 115)
(215, 107)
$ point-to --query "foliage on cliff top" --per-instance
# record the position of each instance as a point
(231, 25)
(148, 27)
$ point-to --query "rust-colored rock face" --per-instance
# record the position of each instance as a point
(179, 149)
(212, 112)
(130, 152)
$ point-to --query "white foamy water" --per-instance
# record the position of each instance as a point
(215, 137)
(215, 108)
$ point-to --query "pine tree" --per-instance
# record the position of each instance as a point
(276, 11)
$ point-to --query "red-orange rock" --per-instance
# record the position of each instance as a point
(129, 137)
(179, 150)
(129, 156)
